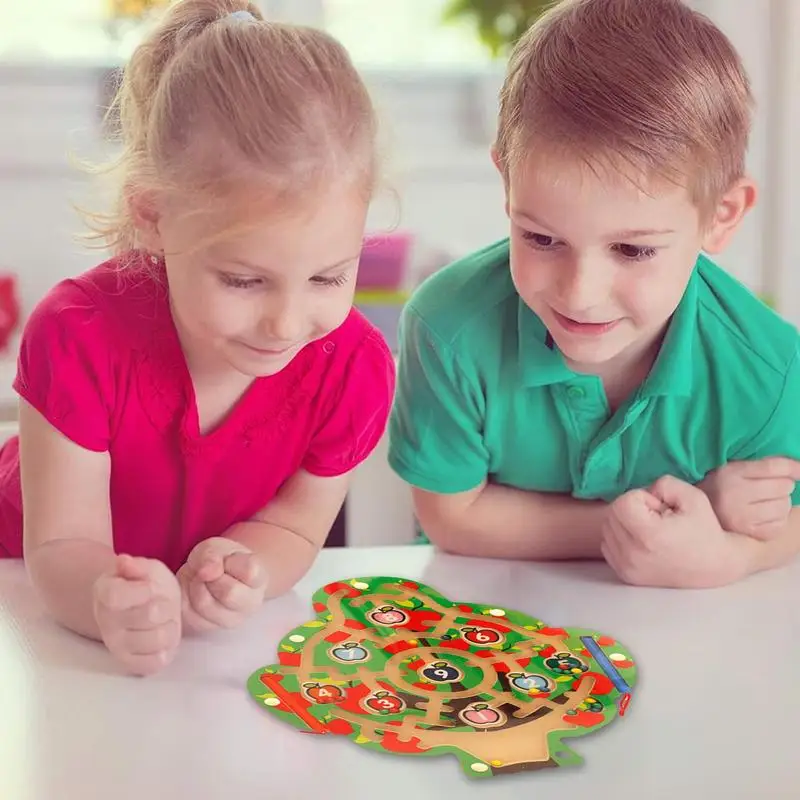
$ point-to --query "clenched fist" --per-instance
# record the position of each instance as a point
(222, 583)
(137, 606)
(669, 536)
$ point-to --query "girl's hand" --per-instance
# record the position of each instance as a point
(137, 606)
(222, 583)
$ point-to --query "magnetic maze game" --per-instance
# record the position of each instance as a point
(398, 668)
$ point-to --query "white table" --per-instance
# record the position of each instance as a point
(714, 715)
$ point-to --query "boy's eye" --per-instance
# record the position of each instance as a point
(539, 241)
(633, 252)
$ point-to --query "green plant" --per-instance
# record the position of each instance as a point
(498, 23)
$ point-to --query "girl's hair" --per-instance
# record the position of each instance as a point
(650, 84)
(217, 101)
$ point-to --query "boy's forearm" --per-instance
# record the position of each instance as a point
(503, 522)
(64, 572)
(762, 556)
(286, 555)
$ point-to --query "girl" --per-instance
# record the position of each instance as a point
(197, 403)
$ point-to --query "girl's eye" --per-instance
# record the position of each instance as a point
(237, 282)
(539, 241)
(339, 280)
(632, 252)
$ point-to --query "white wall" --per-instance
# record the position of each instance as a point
(438, 165)
(748, 24)
(785, 135)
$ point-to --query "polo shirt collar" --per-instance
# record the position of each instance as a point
(672, 372)
(541, 363)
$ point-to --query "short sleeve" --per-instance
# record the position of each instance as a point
(780, 435)
(359, 413)
(436, 427)
(63, 367)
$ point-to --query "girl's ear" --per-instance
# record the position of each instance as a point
(143, 207)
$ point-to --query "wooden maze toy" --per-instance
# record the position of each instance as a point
(397, 667)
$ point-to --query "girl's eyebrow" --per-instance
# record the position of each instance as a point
(330, 268)
(340, 264)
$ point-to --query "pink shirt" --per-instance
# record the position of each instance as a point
(101, 360)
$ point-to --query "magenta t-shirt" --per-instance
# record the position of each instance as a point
(100, 359)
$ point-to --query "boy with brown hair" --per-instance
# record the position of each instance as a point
(593, 385)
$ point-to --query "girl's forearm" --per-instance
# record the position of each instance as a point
(64, 572)
(286, 555)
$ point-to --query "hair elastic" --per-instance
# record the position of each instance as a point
(242, 16)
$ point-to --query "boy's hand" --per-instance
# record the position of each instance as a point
(138, 611)
(669, 536)
(222, 583)
(753, 497)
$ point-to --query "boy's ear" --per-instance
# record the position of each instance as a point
(730, 211)
(502, 170)
(496, 158)
(145, 214)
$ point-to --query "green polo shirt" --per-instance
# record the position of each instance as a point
(483, 393)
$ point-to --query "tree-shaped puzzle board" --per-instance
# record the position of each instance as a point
(399, 668)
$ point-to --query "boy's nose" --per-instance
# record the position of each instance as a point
(582, 286)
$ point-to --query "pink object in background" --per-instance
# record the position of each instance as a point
(384, 260)
(9, 309)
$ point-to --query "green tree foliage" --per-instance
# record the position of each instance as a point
(498, 23)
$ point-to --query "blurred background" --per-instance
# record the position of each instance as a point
(435, 67)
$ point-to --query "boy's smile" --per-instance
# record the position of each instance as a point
(584, 327)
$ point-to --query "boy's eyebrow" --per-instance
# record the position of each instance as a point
(516, 212)
(638, 234)
(630, 233)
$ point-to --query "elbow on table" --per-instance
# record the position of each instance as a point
(444, 521)
(63, 573)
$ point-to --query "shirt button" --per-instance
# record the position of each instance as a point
(576, 393)
(328, 347)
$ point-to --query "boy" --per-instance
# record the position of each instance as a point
(594, 386)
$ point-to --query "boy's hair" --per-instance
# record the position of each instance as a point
(647, 84)
(217, 103)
